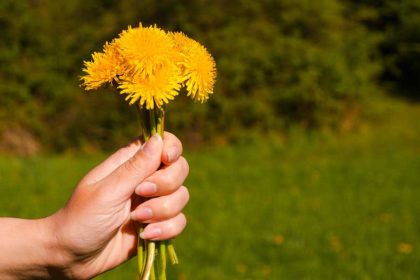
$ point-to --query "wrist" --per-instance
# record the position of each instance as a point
(57, 260)
(29, 250)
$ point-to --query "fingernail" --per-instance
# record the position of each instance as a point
(172, 154)
(144, 213)
(146, 188)
(150, 233)
(150, 146)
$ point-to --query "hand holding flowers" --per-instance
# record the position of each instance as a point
(104, 202)
(151, 66)
(97, 228)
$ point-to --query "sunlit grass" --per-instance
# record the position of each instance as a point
(323, 206)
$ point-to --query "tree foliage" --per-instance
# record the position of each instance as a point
(280, 63)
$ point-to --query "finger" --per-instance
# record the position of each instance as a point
(123, 180)
(166, 180)
(162, 207)
(111, 163)
(166, 229)
(172, 148)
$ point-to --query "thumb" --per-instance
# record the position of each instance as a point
(124, 179)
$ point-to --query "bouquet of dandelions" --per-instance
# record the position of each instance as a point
(150, 66)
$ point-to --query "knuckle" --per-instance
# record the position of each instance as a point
(130, 166)
(179, 143)
(174, 140)
(167, 179)
(133, 165)
(175, 226)
(171, 178)
(184, 165)
(185, 193)
(172, 228)
(166, 208)
(182, 221)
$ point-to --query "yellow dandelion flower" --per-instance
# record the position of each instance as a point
(198, 67)
(105, 67)
(155, 89)
(145, 49)
(150, 66)
(181, 45)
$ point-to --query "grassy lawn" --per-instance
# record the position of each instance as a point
(317, 206)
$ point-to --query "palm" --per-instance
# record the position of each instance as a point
(108, 217)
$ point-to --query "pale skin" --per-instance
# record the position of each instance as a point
(96, 230)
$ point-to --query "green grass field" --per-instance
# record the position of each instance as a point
(306, 206)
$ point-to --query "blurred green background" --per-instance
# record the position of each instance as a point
(304, 164)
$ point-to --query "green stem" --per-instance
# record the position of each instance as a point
(150, 260)
(152, 122)
(171, 252)
(161, 261)
(153, 272)
(140, 253)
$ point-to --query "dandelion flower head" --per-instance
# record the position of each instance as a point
(157, 89)
(150, 66)
(197, 66)
(105, 67)
(145, 49)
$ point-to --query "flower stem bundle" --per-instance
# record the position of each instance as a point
(150, 67)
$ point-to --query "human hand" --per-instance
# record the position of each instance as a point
(97, 229)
